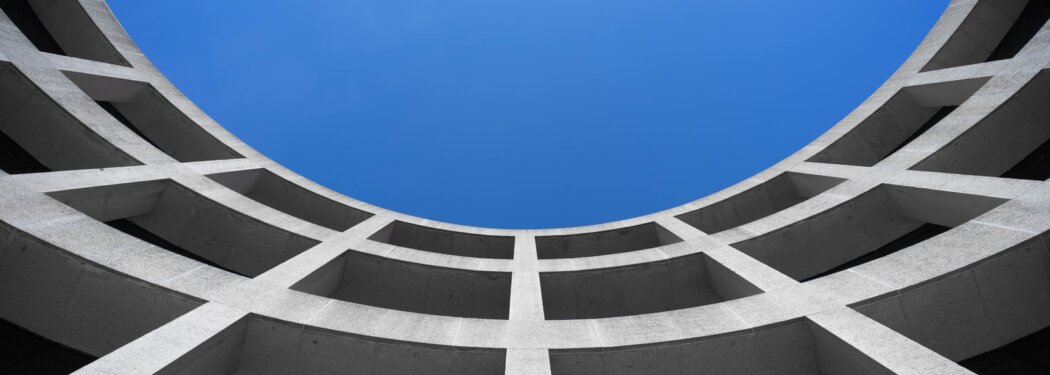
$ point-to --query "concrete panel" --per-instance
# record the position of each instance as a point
(75, 303)
(216, 356)
(75, 32)
(852, 229)
(1000, 140)
(780, 350)
(47, 132)
(321, 352)
(967, 314)
(905, 116)
(147, 112)
(446, 242)
(375, 281)
(1015, 289)
(835, 357)
(36, 281)
(647, 288)
(192, 222)
(981, 31)
(779, 193)
(269, 189)
(623, 240)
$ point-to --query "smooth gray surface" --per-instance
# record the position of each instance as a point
(383, 282)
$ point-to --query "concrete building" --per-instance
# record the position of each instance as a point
(138, 236)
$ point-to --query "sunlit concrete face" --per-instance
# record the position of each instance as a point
(138, 236)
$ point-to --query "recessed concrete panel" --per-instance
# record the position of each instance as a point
(61, 27)
(217, 355)
(781, 350)
(185, 218)
(1027, 355)
(638, 237)
(679, 283)
(22, 14)
(996, 302)
(442, 241)
(904, 117)
(143, 110)
(1028, 23)
(51, 293)
(862, 225)
(23, 352)
(16, 160)
(263, 346)
(979, 34)
(366, 279)
(1003, 139)
(272, 190)
(45, 131)
(69, 24)
(772, 196)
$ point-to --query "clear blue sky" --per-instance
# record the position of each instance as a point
(527, 114)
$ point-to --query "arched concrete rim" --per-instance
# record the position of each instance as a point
(142, 70)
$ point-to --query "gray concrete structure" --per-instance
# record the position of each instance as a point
(138, 236)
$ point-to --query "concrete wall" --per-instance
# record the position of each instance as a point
(256, 345)
(381, 282)
(977, 36)
(783, 350)
(74, 31)
(778, 193)
(988, 305)
(46, 131)
(192, 222)
(606, 242)
(859, 226)
(156, 119)
(1002, 139)
(271, 190)
(679, 283)
(74, 302)
(905, 116)
(446, 242)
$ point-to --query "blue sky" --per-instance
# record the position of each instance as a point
(527, 114)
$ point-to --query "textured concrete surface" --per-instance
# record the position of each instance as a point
(140, 236)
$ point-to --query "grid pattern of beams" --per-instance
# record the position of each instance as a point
(824, 263)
